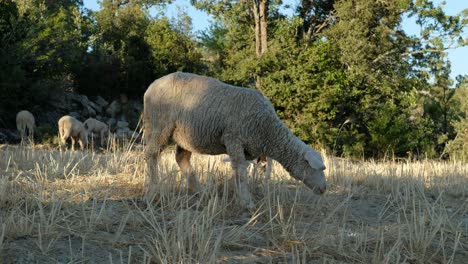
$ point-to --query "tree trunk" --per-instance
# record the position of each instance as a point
(258, 40)
(263, 12)
(260, 10)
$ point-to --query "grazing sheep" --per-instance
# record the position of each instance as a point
(93, 125)
(25, 123)
(70, 127)
(207, 116)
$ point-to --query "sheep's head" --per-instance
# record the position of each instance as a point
(309, 169)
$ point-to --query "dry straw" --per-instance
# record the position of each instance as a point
(84, 207)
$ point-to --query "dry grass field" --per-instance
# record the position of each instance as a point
(83, 207)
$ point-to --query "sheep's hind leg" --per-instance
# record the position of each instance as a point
(183, 160)
(31, 135)
(239, 165)
(103, 132)
(155, 143)
(23, 134)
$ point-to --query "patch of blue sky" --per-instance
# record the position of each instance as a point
(201, 21)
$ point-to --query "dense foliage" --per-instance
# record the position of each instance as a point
(343, 75)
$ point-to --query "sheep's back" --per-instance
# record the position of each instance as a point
(204, 110)
(71, 124)
(25, 118)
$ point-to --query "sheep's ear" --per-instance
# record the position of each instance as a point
(314, 159)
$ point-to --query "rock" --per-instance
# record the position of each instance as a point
(88, 112)
(89, 108)
(111, 122)
(114, 109)
(75, 115)
(126, 133)
(137, 106)
(120, 134)
(122, 124)
(134, 135)
(100, 101)
(95, 106)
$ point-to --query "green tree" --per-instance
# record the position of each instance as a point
(130, 49)
(44, 42)
(457, 148)
(349, 79)
(118, 61)
(172, 49)
(12, 73)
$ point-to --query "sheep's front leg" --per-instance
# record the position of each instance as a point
(103, 133)
(183, 160)
(239, 166)
(73, 143)
(82, 144)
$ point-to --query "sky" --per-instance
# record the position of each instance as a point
(200, 20)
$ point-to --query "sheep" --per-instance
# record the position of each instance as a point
(70, 127)
(93, 125)
(206, 116)
(25, 123)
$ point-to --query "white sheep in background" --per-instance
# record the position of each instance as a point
(70, 127)
(207, 116)
(95, 126)
(25, 123)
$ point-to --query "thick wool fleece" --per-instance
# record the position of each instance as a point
(207, 116)
(96, 126)
(70, 127)
(25, 123)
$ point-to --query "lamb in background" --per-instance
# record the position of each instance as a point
(207, 116)
(25, 123)
(70, 127)
(93, 125)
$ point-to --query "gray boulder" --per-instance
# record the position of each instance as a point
(111, 122)
(100, 101)
(114, 109)
(122, 124)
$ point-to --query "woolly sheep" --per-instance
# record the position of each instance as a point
(93, 125)
(70, 127)
(207, 116)
(25, 123)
